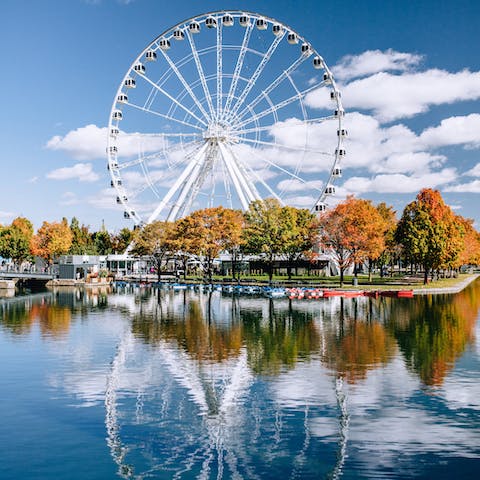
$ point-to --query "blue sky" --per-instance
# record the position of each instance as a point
(409, 73)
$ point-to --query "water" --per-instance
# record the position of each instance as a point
(145, 383)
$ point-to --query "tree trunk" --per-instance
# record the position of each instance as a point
(341, 275)
(370, 266)
(425, 275)
(270, 270)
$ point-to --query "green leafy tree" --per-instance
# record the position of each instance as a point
(302, 236)
(82, 241)
(392, 249)
(122, 240)
(102, 242)
(155, 240)
(267, 229)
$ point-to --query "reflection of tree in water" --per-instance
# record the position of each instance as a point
(279, 341)
(20, 315)
(355, 341)
(51, 310)
(434, 331)
(190, 330)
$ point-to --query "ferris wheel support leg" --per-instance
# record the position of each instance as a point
(238, 178)
(187, 186)
(177, 184)
(243, 176)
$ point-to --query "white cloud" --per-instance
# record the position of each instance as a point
(399, 183)
(460, 130)
(6, 215)
(470, 187)
(90, 142)
(374, 61)
(32, 180)
(84, 143)
(474, 172)
(69, 198)
(80, 171)
(391, 97)
(105, 199)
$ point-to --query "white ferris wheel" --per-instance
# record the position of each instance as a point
(223, 109)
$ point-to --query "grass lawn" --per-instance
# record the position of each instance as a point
(378, 283)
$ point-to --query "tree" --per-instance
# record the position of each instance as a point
(51, 240)
(267, 229)
(353, 231)
(15, 240)
(122, 240)
(154, 240)
(470, 252)
(333, 238)
(391, 249)
(82, 242)
(102, 242)
(429, 233)
(303, 234)
(208, 232)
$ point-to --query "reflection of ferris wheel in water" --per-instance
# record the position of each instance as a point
(224, 109)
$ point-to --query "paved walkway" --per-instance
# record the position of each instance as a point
(454, 289)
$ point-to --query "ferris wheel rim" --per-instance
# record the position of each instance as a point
(113, 164)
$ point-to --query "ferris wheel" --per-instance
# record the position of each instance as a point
(223, 109)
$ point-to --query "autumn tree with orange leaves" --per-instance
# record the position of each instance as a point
(429, 233)
(470, 252)
(353, 231)
(52, 239)
(205, 233)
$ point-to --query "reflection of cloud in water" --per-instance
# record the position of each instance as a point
(240, 387)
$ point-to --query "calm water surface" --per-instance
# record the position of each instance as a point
(145, 383)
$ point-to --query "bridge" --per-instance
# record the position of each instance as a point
(14, 275)
(9, 279)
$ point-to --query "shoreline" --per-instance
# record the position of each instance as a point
(461, 285)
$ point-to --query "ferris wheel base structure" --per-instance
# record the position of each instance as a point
(225, 108)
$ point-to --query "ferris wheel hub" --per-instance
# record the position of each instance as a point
(218, 132)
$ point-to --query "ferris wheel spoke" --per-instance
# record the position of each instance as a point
(238, 66)
(284, 75)
(219, 68)
(173, 99)
(294, 98)
(287, 147)
(308, 121)
(201, 73)
(162, 115)
(284, 170)
(171, 172)
(185, 174)
(159, 135)
(185, 84)
(258, 71)
(143, 158)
